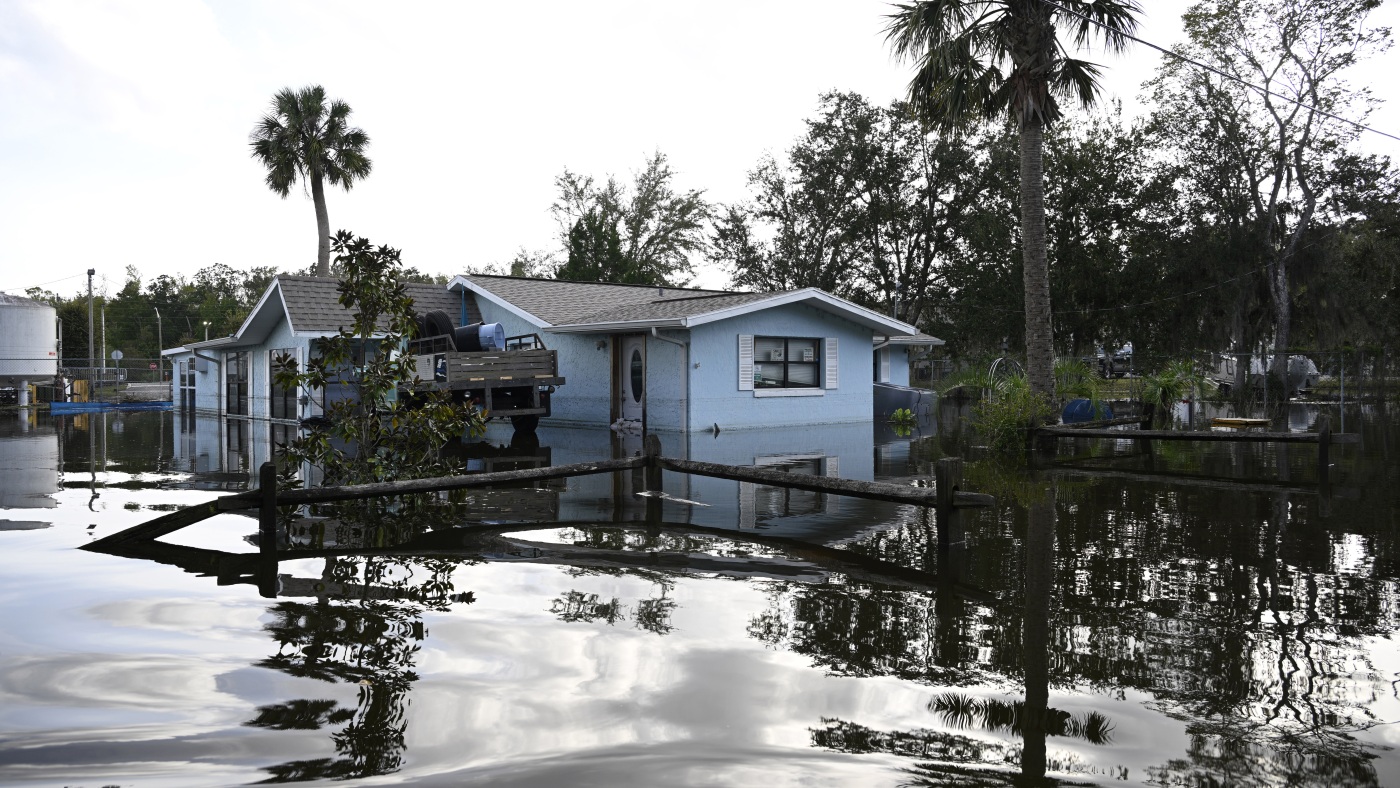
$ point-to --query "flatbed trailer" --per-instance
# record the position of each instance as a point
(514, 383)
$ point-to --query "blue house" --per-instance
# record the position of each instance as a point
(676, 359)
(653, 358)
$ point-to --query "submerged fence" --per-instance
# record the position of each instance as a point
(946, 498)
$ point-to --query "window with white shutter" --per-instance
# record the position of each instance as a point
(833, 370)
(746, 362)
(786, 366)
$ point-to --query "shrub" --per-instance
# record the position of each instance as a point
(1003, 416)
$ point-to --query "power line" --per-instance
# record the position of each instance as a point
(1214, 70)
(1178, 297)
(45, 284)
(1163, 300)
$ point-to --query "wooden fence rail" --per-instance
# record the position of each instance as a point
(1042, 439)
(266, 498)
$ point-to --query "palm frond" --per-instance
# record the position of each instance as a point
(985, 57)
(1110, 21)
(1078, 79)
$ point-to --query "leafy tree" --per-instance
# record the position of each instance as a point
(375, 435)
(1257, 162)
(961, 48)
(657, 228)
(533, 264)
(595, 252)
(1106, 206)
(1363, 290)
(308, 138)
(867, 205)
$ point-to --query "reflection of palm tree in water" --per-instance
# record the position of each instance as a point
(366, 641)
(960, 760)
(1040, 571)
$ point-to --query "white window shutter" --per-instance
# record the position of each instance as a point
(303, 408)
(884, 365)
(748, 505)
(832, 379)
(746, 362)
(833, 470)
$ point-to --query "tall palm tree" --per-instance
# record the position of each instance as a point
(993, 58)
(306, 137)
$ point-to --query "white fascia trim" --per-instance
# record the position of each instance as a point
(247, 321)
(468, 284)
(212, 343)
(621, 326)
(840, 306)
(324, 334)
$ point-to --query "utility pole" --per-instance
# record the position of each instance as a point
(91, 337)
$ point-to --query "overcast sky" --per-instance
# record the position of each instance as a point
(124, 125)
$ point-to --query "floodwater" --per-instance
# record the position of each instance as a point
(1196, 615)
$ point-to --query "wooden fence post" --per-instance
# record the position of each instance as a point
(1149, 412)
(947, 479)
(267, 530)
(1324, 447)
(651, 450)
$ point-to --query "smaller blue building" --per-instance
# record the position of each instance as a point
(232, 376)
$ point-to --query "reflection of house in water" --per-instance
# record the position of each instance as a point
(844, 450)
(759, 502)
(225, 453)
(523, 501)
(29, 462)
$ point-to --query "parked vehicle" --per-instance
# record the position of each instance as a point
(1112, 365)
(1302, 373)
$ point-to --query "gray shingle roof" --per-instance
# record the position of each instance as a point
(917, 339)
(661, 309)
(313, 303)
(583, 306)
(562, 303)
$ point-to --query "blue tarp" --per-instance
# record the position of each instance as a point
(1078, 411)
(90, 407)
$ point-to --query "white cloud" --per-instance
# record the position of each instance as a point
(124, 135)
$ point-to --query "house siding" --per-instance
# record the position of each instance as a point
(585, 397)
(666, 377)
(899, 365)
(715, 398)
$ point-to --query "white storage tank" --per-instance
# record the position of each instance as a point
(28, 343)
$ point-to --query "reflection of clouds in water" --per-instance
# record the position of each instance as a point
(148, 772)
(678, 763)
(598, 687)
(107, 680)
(204, 619)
